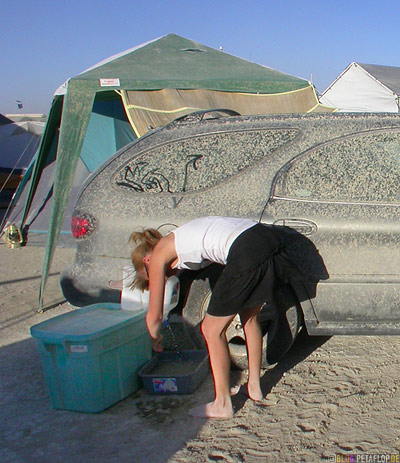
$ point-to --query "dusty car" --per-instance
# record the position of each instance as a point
(327, 183)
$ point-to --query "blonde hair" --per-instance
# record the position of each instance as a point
(146, 241)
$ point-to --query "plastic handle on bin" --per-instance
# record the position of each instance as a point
(65, 346)
(50, 348)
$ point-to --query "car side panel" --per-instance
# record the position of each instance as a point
(356, 263)
(344, 197)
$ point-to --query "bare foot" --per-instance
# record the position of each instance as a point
(254, 392)
(212, 410)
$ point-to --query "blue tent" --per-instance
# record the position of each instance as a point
(108, 130)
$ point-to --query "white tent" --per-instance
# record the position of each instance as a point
(365, 88)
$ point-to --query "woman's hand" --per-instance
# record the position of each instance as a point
(159, 262)
(156, 344)
(153, 324)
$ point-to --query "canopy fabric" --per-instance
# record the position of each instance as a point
(72, 131)
(176, 62)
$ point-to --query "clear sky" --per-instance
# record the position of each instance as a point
(44, 42)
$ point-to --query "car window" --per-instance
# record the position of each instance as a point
(200, 162)
(363, 168)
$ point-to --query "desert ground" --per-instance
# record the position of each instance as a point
(328, 397)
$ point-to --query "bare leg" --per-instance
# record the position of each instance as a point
(252, 331)
(214, 329)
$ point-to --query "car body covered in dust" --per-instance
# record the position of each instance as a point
(328, 183)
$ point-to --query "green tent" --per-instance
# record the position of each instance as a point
(148, 86)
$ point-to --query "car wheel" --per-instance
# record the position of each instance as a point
(279, 327)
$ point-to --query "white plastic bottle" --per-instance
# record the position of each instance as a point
(135, 299)
(171, 294)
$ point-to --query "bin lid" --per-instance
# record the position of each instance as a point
(86, 324)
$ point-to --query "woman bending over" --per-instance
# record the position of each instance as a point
(251, 253)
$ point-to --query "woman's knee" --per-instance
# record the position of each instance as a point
(208, 330)
(213, 327)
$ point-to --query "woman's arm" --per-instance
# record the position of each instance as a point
(160, 261)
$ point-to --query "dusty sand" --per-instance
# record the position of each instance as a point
(328, 396)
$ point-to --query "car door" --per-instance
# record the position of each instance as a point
(339, 204)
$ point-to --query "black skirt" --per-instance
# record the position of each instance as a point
(255, 263)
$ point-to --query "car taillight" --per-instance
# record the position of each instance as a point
(82, 225)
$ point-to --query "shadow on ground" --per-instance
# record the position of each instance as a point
(141, 428)
(303, 346)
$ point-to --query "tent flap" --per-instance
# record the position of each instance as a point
(77, 108)
(108, 131)
(157, 108)
(53, 122)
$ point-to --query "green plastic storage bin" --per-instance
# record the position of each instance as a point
(91, 356)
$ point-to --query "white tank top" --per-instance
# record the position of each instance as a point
(207, 240)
